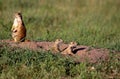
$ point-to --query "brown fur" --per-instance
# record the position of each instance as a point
(56, 46)
(69, 49)
(18, 29)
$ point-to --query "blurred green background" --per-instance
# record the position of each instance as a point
(88, 22)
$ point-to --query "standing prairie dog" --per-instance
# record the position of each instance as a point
(18, 28)
(56, 46)
(69, 49)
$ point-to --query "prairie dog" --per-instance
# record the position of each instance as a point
(18, 28)
(56, 45)
(69, 49)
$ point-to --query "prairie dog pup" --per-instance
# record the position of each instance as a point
(18, 28)
(69, 49)
(56, 45)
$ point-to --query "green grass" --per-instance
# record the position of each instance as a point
(88, 22)
(16, 63)
(93, 23)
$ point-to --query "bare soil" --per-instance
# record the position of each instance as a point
(81, 53)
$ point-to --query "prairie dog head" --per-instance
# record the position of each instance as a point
(56, 45)
(18, 19)
(58, 41)
(18, 15)
(72, 44)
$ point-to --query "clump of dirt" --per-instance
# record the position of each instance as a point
(81, 53)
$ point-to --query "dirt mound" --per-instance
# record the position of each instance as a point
(81, 53)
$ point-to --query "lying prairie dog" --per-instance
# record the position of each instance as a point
(56, 46)
(69, 49)
(18, 28)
